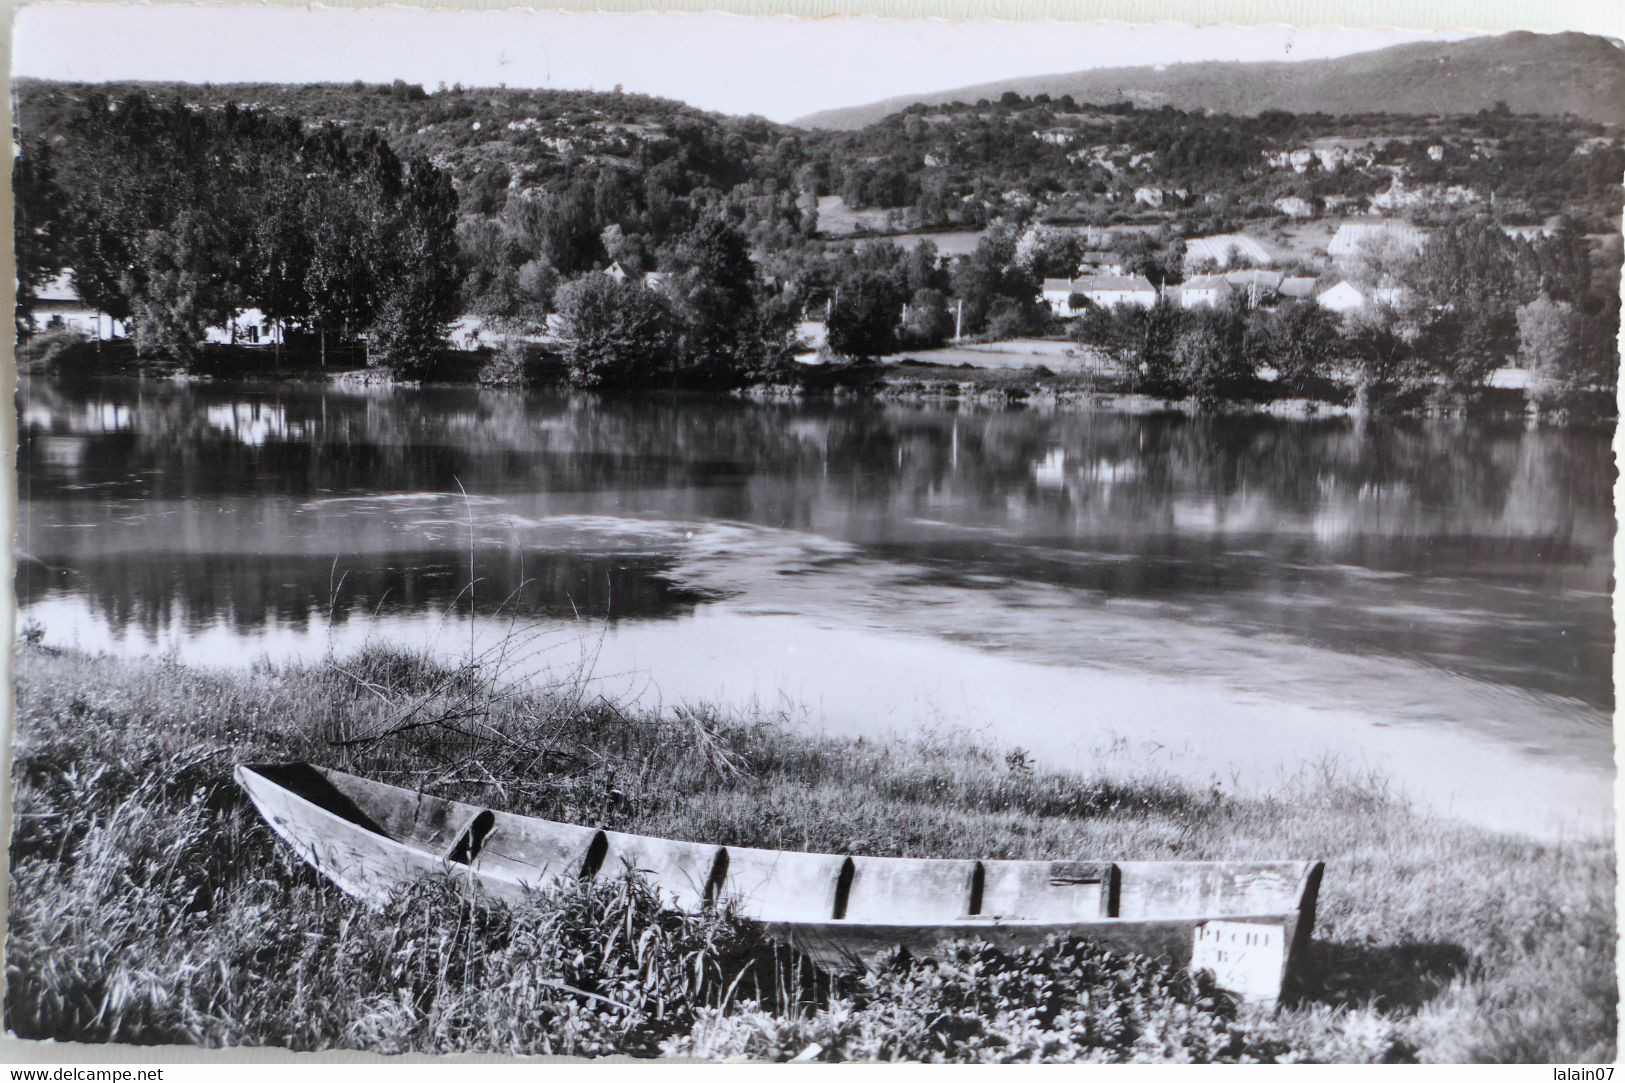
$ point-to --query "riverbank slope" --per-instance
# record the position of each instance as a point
(149, 904)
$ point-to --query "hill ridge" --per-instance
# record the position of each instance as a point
(1582, 74)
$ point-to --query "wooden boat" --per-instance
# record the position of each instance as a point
(1243, 920)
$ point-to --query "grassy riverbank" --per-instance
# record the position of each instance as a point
(149, 904)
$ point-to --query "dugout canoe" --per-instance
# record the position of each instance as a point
(1246, 921)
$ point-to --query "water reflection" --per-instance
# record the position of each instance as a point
(1238, 596)
(1479, 549)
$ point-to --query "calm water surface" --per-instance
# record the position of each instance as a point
(1225, 598)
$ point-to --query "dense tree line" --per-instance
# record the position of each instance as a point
(373, 215)
(174, 218)
(710, 323)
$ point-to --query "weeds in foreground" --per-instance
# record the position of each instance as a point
(149, 904)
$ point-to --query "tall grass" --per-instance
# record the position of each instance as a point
(149, 904)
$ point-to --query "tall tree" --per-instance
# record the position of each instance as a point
(37, 233)
(863, 316)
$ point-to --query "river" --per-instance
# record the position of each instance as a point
(1234, 600)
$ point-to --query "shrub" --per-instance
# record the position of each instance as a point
(616, 333)
(57, 349)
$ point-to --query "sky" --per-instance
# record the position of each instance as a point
(778, 67)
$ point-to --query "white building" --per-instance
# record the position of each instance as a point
(1344, 297)
(246, 327)
(1205, 291)
(1102, 263)
(1104, 291)
(1297, 287)
(57, 306)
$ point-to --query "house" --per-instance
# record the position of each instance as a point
(1104, 291)
(1353, 239)
(652, 280)
(1345, 296)
(57, 306)
(1225, 250)
(1297, 288)
(1258, 286)
(1205, 291)
(1295, 207)
(1101, 263)
(246, 327)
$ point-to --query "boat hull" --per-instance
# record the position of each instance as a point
(1244, 921)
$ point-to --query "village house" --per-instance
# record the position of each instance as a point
(57, 306)
(1205, 291)
(651, 280)
(246, 327)
(1343, 297)
(1346, 296)
(1102, 263)
(1223, 250)
(1104, 291)
(1258, 286)
(1297, 288)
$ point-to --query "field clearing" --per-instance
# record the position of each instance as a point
(836, 219)
(949, 242)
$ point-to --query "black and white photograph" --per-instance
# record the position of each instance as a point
(713, 537)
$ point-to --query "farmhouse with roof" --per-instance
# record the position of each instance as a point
(1102, 263)
(1258, 286)
(1104, 291)
(1205, 291)
(1297, 287)
(58, 306)
(1345, 296)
